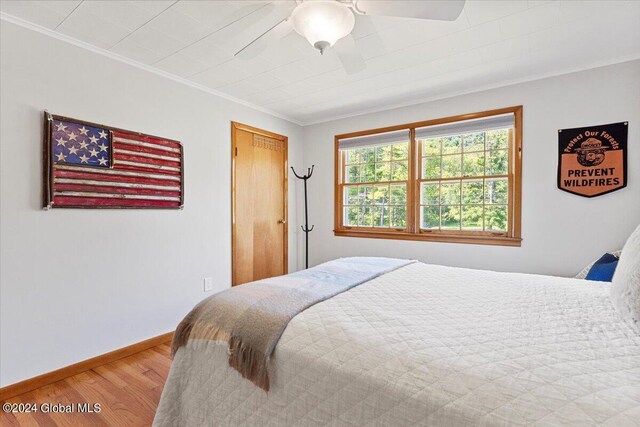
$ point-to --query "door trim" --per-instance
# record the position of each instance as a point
(285, 140)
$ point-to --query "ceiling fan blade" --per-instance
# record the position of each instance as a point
(269, 37)
(442, 10)
(348, 53)
(366, 29)
(262, 23)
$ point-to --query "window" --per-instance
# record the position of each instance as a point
(455, 179)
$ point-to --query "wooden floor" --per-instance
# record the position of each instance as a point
(128, 391)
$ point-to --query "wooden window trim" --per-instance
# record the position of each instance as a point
(512, 237)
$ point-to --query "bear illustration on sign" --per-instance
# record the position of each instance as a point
(591, 152)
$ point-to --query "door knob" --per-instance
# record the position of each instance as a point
(282, 221)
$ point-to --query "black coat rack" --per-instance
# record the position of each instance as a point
(305, 228)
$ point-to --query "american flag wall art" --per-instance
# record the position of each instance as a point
(87, 165)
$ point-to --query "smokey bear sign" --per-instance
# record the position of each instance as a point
(593, 160)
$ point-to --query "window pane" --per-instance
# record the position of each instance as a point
(399, 194)
(473, 164)
(450, 217)
(381, 216)
(353, 174)
(430, 217)
(495, 218)
(430, 194)
(351, 196)
(383, 153)
(497, 162)
(473, 141)
(381, 195)
(351, 215)
(399, 216)
(400, 151)
(431, 147)
(399, 171)
(431, 167)
(471, 192)
(365, 194)
(472, 217)
(451, 166)
(364, 218)
(383, 171)
(451, 144)
(368, 155)
(450, 193)
(368, 172)
(497, 139)
(496, 191)
(353, 156)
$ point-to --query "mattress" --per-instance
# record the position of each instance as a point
(429, 345)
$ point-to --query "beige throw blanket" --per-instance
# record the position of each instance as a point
(251, 318)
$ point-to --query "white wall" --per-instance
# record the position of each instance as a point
(562, 232)
(79, 283)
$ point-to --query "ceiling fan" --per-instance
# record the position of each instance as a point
(329, 23)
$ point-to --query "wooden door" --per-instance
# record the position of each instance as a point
(259, 204)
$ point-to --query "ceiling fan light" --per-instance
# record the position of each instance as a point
(322, 22)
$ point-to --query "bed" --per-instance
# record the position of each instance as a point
(429, 345)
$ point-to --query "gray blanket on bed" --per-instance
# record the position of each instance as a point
(251, 318)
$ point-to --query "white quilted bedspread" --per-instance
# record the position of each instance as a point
(429, 345)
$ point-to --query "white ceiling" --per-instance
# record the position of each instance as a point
(492, 43)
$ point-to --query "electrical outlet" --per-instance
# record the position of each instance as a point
(208, 284)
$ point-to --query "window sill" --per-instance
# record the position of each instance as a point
(440, 237)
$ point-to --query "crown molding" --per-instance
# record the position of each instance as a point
(100, 51)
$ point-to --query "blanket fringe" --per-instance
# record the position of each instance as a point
(182, 333)
(249, 362)
(196, 330)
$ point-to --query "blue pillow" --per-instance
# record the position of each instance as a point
(603, 269)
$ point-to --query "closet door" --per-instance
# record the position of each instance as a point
(259, 204)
